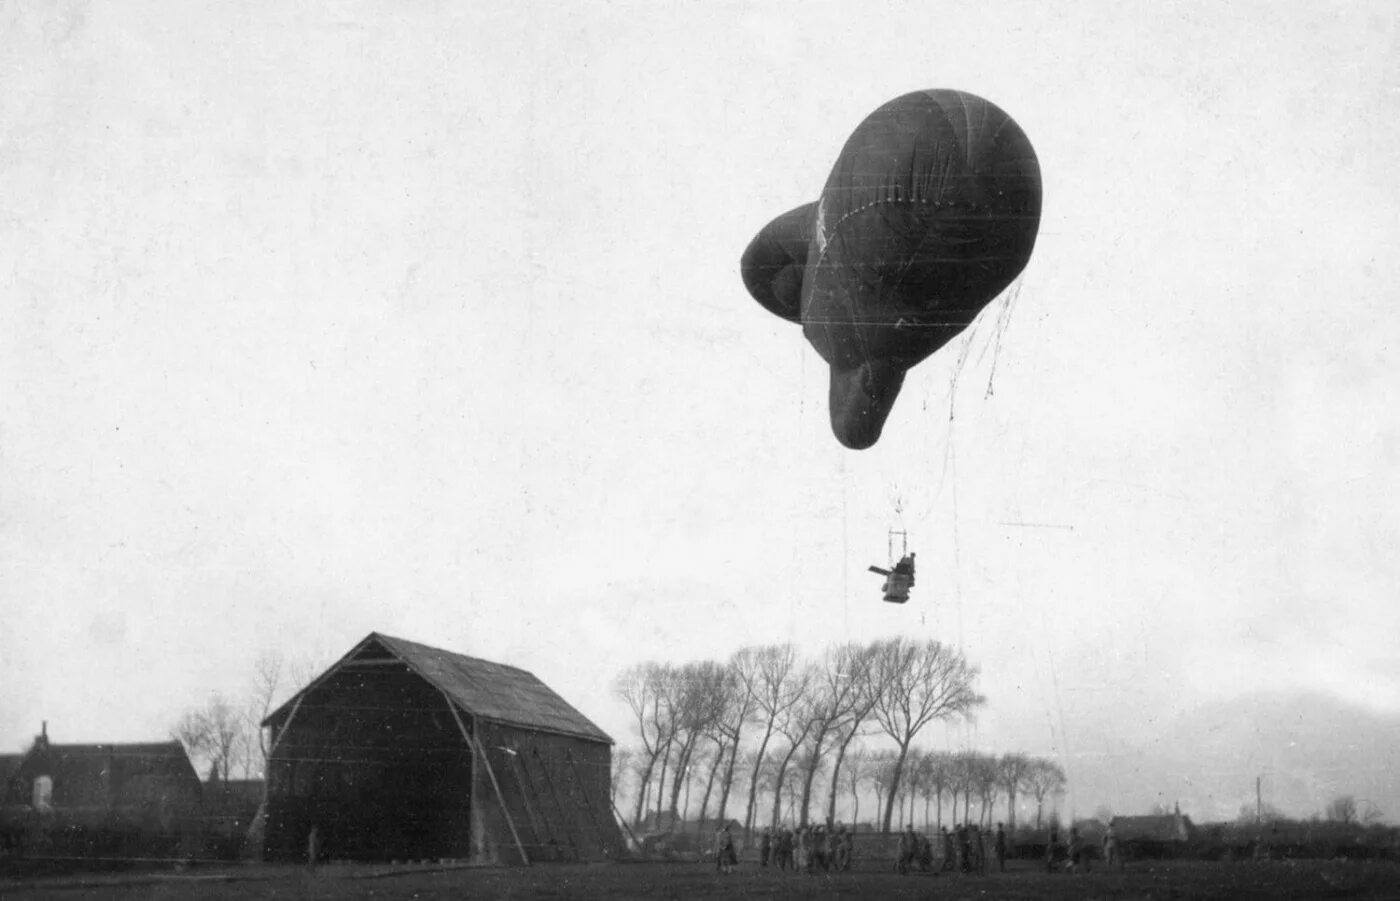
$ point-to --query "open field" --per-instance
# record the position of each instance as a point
(1174, 880)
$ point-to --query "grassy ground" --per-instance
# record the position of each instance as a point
(1173, 880)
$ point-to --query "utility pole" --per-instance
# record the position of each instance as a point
(1258, 802)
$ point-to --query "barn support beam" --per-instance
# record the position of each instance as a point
(564, 817)
(282, 733)
(587, 799)
(480, 754)
(538, 823)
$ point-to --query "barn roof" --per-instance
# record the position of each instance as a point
(490, 691)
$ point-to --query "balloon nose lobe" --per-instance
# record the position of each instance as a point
(861, 399)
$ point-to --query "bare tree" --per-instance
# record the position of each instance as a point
(794, 726)
(849, 693)
(740, 777)
(881, 774)
(1011, 774)
(916, 782)
(922, 682)
(214, 733)
(856, 762)
(930, 778)
(962, 777)
(1342, 809)
(1045, 778)
(986, 781)
(741, 702)
(762, 776)
(938, 767)
(712, 759)
(775, 677)
(267, 686)
(622, 764)
(810, 764)
(788, 781)
(696, 696)
(641, 688)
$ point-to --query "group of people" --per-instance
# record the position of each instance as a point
(807, 849)
(818, 848)
(964, 849)
(1075, 855)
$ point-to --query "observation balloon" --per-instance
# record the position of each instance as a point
(930, 212)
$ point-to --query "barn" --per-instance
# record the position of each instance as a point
(401, 751)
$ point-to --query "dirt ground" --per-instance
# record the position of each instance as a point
(1174, 880)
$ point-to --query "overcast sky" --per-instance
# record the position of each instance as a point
(426, 319)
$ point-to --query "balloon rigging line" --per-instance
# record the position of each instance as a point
(999, 332)
(957, 549)
(948, 436)
(1064, 733)
(845, 557)
(1003, 319)
(1045, 708)
(958, 366)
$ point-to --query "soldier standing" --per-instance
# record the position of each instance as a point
(313, 846)
(845, 842)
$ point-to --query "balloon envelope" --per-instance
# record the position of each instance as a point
(929, 213)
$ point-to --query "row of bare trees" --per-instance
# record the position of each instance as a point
(779, 719)
(963, 776)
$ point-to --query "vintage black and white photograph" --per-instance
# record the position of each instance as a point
(631, 449)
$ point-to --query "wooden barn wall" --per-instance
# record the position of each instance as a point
(374, 759)
(556, 789)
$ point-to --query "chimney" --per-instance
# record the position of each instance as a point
(41, 741)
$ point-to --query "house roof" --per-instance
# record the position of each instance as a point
(248, 789)
(130, 771)
(490, 691)
(233, 795)
(1161, 827)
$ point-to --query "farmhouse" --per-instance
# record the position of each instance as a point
(1163, 828)
(102, 798)
(400, 751)
(1159, 835)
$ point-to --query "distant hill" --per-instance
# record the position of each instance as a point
(1309, 749)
